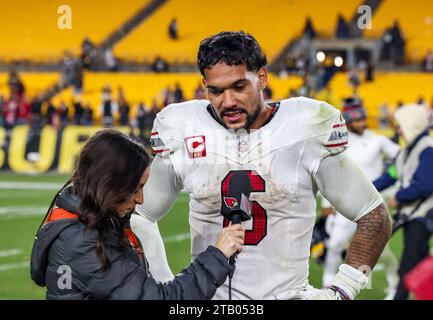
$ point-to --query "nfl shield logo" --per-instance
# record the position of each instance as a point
(243, 145)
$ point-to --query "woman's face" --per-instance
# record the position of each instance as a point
(136, 198)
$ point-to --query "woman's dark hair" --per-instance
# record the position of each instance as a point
(109, 170)
(232, 48)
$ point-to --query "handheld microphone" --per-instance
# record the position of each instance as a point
(236, 207)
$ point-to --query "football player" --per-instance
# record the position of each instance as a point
(289, 150)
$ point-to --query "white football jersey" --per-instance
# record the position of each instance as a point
(280, 159)
(368, 151)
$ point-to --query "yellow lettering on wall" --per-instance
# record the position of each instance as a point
(71, 146)
(2, 141)
(17, 150)
(73, 140)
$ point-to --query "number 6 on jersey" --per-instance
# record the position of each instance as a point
(258, 213)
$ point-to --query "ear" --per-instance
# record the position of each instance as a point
(263, 77)
(203, 80)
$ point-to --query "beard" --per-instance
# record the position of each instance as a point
(251, 117)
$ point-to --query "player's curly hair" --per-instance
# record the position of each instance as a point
(232, 48)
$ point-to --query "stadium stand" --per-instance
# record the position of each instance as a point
(34, 34)
(272, 22)
(416, 21)
(388, 87)
(35, 82)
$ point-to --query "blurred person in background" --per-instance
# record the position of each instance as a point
(23, 109)
(2, 111)
(141, 120)
(384, 116)
(78, 111)
(108, 107)
(199, 92)
(342, 29)
(309, 30)
(413, 174)
(397, 45)
(87, 52)
(87, 115)
(63, 112)
(16, 86)
(88, 228)
(173, 29)
(124, 108)
(36, 112)
(50, 112)
(178, 94)
(154, 109)
(160, 65)
(427, 63)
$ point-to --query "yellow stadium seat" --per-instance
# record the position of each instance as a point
(29, 29)
(272, 22)
(416, 23)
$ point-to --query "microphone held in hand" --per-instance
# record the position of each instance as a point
(236, 206)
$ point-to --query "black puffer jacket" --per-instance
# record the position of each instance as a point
(64, 242)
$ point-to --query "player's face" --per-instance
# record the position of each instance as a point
(136, 198)
(235, 93)
(357, 126)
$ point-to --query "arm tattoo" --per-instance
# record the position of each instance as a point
(372, 234)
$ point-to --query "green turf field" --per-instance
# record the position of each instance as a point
(23, 202)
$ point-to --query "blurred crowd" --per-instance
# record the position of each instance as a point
(114, 108)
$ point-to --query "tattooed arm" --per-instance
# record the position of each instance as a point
(372, 234)
(351, 193)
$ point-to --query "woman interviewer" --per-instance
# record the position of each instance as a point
(85, 248)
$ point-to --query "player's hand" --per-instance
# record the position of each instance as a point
(392, 203)
(231, 240)
(327, 211)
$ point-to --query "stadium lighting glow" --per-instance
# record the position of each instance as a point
(338, 61)
(320, 56)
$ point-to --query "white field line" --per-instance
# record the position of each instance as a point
(22, 210)
(14, 266)
(29, 185)
(20, 195)
(10, 253)
(176, 237)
